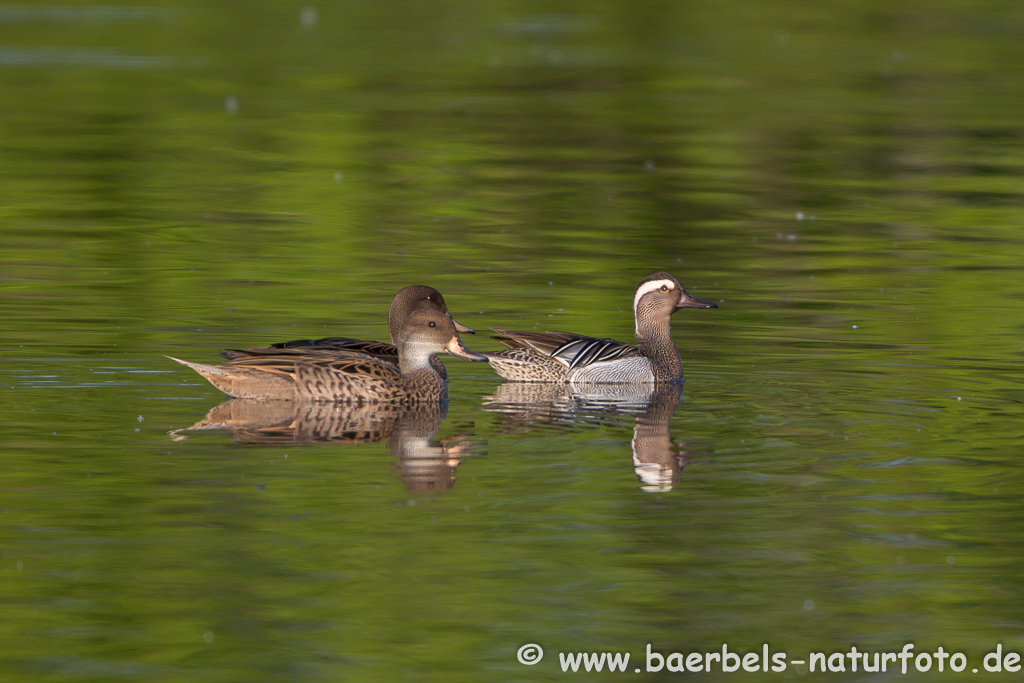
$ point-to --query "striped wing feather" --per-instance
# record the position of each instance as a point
(572, 350)
(589, 351)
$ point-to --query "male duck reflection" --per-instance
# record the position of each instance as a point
(657, 458)
(314, 373)
(576, 359)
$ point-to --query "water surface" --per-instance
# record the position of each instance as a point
(841, 467)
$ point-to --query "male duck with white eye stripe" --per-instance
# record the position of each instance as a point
(577, 359)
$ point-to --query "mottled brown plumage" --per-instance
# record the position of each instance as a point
(346, 376)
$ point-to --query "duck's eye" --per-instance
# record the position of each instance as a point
(664, 288)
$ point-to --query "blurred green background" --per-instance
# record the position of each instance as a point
(843, 178)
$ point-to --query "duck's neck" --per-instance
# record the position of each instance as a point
(414, 363)
(654, 339)
(413, 357)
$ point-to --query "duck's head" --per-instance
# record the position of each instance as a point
(426, 332)
(413, 298)
(661, 294)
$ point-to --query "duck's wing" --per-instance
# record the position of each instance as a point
(544, 343)
(571, 350)
(298, 347)
(329, 360)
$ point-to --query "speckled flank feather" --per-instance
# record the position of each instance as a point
(577, 359)
(526, 365)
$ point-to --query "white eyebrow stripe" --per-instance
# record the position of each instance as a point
(648, 287)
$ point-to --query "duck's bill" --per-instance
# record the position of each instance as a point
(689, 301)
(462, 328)
(456, 348)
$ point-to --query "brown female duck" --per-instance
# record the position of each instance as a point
(408, 299)
(347, 376)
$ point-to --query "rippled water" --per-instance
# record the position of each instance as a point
(841, 467)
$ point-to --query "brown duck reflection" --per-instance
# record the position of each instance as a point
(657, 459)
(422, 463)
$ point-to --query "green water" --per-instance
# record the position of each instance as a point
(842, 468)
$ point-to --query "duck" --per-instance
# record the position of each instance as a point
(407, 300)
(579, 360)
(347, 376)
